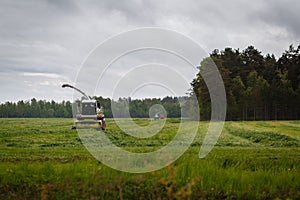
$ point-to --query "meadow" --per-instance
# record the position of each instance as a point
(45, 159)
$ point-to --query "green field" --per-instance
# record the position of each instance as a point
(45, 159)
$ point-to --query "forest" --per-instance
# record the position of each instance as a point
(51, 109)
(258, 87)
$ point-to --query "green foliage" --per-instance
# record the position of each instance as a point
(257, 87)
(34, 108)
(140, 108)
(137, 108)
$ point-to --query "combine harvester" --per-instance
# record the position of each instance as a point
(88, 112)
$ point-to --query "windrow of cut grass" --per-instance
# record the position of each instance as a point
(289, 128)
(266, 139)
(259, 133)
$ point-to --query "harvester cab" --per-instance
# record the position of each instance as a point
(87, 111)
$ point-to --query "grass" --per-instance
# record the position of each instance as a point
(44, 159)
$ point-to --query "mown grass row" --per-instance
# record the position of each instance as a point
(267, 139)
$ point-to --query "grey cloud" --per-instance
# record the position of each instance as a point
(283, 14)
(134, 10)
(56, 36)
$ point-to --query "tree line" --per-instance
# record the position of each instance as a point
(138, 108)
(35, 109)
(141, 108)
(258, 87)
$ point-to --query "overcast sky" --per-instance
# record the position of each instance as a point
(43, 43)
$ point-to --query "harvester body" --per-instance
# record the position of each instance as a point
(87, 111)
